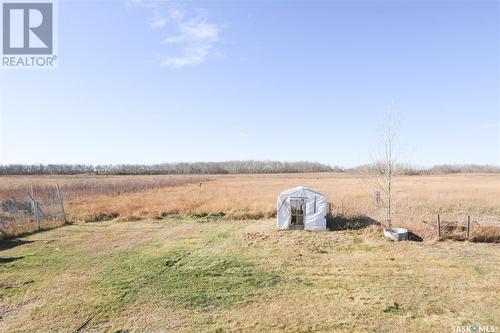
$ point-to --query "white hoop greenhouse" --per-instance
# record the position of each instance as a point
(302, 208)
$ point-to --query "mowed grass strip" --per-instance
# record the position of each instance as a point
(61, 284)
(183, 275)
(214, 282)
(187, 276)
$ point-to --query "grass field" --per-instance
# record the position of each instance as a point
(201, 253)
(417, 198)
(220, 275)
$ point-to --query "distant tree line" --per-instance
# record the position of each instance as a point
(229, 167)
(409, 170)
(464, 168)
(47, 169)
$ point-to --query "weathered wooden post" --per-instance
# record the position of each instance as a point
(59, 196)
(468, 226)
(35, 211)
(439, 227)
(32, 196)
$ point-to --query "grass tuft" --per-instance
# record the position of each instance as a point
(487, 234)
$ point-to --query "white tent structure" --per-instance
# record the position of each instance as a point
(302, 208)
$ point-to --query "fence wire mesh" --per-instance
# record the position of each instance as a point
(31, 213)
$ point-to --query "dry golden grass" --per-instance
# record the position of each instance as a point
(74, 189)
(80, 186)
(20, 224)
(486, 234)
(417, 198)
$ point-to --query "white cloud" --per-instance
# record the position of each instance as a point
(176, 14)
(191, 55)
(243, 134)
(158, 23)
(196, 38)
(195, 30)
(143, 3)
(484, 126)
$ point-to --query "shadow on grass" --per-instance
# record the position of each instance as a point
(11, 243)
(414, 237)
(9, 260)
(342, 222)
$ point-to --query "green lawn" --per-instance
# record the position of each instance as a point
(187, 275)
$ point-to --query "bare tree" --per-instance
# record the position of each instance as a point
(386, 166)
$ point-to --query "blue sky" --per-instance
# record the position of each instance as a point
(149, 82)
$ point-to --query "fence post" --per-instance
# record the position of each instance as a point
(61, 202)
(439, 227)
(35, 210)
(32, 198)
(468, 226)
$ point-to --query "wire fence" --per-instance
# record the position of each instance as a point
(31, 213)
(466, 228)
(81, 187)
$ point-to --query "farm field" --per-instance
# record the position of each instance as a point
(179, 274)
(418, 199)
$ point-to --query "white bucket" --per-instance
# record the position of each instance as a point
(396, 234)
